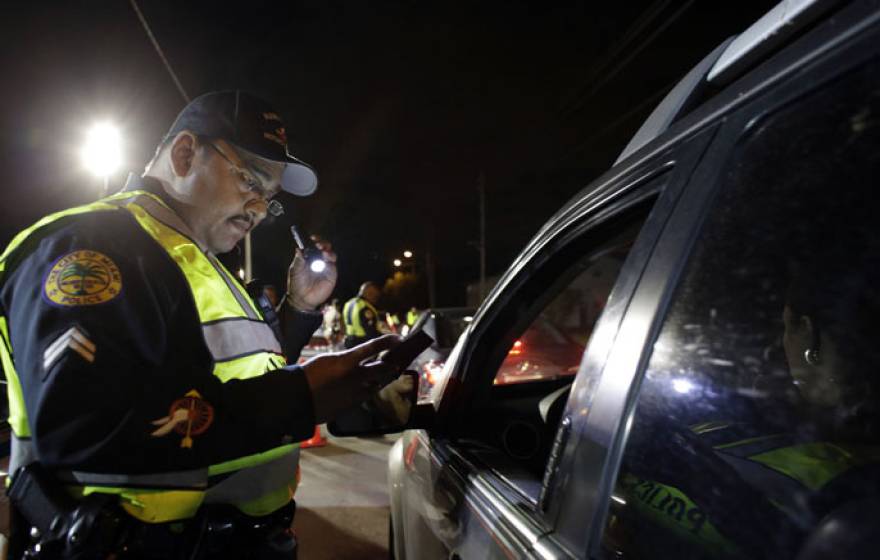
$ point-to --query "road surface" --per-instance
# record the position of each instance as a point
(342, 500)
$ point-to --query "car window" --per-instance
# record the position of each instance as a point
(537, 345)
(757, 428)
(552, 345)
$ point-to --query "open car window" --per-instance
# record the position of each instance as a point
(535, 347)
(552, 345)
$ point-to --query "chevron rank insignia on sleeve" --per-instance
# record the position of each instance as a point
(73, 339)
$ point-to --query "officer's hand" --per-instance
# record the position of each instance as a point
(339, 380)
(306, 290)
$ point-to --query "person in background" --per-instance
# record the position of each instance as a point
(333, 330)
(360, 315)
(412, 315)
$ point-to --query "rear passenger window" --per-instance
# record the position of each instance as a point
(757, 428)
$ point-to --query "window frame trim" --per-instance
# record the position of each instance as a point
(653, 185)
(571, 505)
(555, 237)
(659, 179)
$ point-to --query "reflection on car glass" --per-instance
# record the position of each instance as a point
(758, 421)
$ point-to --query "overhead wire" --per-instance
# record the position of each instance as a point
(159, 51)
(622, 42)
(647, 101)
(595, 86)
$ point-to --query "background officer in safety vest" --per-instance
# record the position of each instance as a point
(151, 405)
(361, 316)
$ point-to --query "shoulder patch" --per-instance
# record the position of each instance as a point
(368, 314)
(82, 278)
(189, 416)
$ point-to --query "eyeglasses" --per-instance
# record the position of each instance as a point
(252, 184)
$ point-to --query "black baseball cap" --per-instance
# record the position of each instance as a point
(249, 123)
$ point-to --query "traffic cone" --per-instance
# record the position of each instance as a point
(317, 440)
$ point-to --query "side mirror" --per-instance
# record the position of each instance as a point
(391, 410)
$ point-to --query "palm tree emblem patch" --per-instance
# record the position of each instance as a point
(82, 278)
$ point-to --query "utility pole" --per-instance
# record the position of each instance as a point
(481, 185)
(430, 265)
(430, 270)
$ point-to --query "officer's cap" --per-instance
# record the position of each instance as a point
(249, 123)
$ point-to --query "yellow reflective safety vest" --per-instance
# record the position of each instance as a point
(242, 346)
(783, 469)
(351, 314)
(411, 317)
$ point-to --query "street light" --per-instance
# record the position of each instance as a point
(407, 254)
(398, 262)
(101, 154)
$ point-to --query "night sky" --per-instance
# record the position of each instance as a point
(400, 106)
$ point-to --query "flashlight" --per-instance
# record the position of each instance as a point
(313, 258)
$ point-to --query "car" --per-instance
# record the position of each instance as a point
(544, 351)
(444, 325)
(722, 281)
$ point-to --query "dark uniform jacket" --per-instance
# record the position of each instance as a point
(97, 379)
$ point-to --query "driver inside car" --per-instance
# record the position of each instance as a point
(795, 476)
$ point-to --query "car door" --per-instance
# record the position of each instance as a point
(745, 364)
(487, 480)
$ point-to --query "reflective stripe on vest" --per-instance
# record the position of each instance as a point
(242, 346)
(785, 470)
(816, 464)
(17, 413)
(352, 316)
(668, 507)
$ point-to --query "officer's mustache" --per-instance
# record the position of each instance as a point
(246, 218)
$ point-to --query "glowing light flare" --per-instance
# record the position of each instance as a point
(317, 266)
(682, 386)
(102, 152)
(397, 262)
(516, 349)
(407, 254)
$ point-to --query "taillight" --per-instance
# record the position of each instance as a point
(409, 454)
(516, 349)
(432, 369)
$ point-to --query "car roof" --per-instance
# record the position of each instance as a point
(733, 58)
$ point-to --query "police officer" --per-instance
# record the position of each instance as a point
(361, 316)
(412, 316)
(142, 379)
